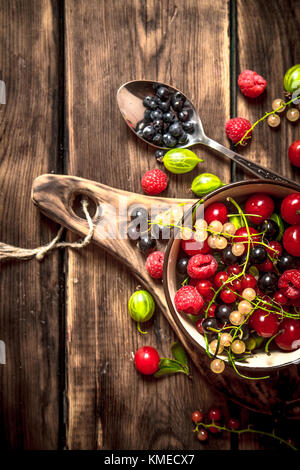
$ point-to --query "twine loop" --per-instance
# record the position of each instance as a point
(14, 252)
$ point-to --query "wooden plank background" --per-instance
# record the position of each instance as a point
(69, 381)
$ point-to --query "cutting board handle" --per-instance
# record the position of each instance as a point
(56, 196)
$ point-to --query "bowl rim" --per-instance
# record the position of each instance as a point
(166, 262)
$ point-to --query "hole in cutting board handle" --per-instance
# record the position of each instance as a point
(76, 206)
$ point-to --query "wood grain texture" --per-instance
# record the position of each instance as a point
(107, 44)
(29, 292)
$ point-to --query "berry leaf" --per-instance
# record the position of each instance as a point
(169, 366)
(179, 354)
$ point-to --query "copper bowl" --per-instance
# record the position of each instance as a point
(239, 191)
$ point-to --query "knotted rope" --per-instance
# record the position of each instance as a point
(14, 252)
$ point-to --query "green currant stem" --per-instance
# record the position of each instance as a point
(271, 339)
(231, 360)
(245, 136)
(139, 329)
(243, 431)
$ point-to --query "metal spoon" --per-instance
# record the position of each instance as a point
(130, 101)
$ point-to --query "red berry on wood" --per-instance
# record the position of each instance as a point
(197, 417)
(215, 414)
(146, 360)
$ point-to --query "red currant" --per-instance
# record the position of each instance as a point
(266, 266)
(289, 338)
(291, 240)
(198, 325)
(215, 430)
(202, 435)
(197, 417)
(234, 269)
(260, 205)
(204, 288)
(275, 246)
(211, 310)
(233, 423)
(146, 360)
(215, 414)
(216, 211)
(248, 281)
(294, 153)
(264, 323)
(280, 298)
(227, 296)
(236, 285)
(290, 208)
(220, 278)
(241, 235)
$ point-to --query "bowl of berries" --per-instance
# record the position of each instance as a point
(232, 276)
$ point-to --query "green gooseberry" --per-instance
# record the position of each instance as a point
(258, 340)
(205, 183)
(250, 344)
(180, 161)
(291, 81)
(280, 224)
(141, 307)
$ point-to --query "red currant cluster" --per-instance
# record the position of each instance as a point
(243, 285)
(213, 425)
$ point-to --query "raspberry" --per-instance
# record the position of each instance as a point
(154, 264)
(236, 128)
(251, 84)
(202, 266)
(154, 182)
(188, 300)
(289, 284)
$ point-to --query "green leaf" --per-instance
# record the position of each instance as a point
(168, 367)
(179, 354)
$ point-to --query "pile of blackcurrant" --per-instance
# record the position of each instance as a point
(239, 272)
(167, 119)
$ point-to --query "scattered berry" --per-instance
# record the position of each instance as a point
(236, 128)
(154, 182)
(202, 435)
(233, 423)
(215, 414)
(294, 153)
(273, 120)
(251, 84)
(197, 417)
(293, 114)
(146, 360)
(154, 264)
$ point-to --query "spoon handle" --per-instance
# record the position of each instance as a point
(254, 168)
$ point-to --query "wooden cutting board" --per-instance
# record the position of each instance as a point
(56, 196)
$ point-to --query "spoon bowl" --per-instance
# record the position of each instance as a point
(130, 101)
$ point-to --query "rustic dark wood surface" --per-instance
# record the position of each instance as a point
(69, 381)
